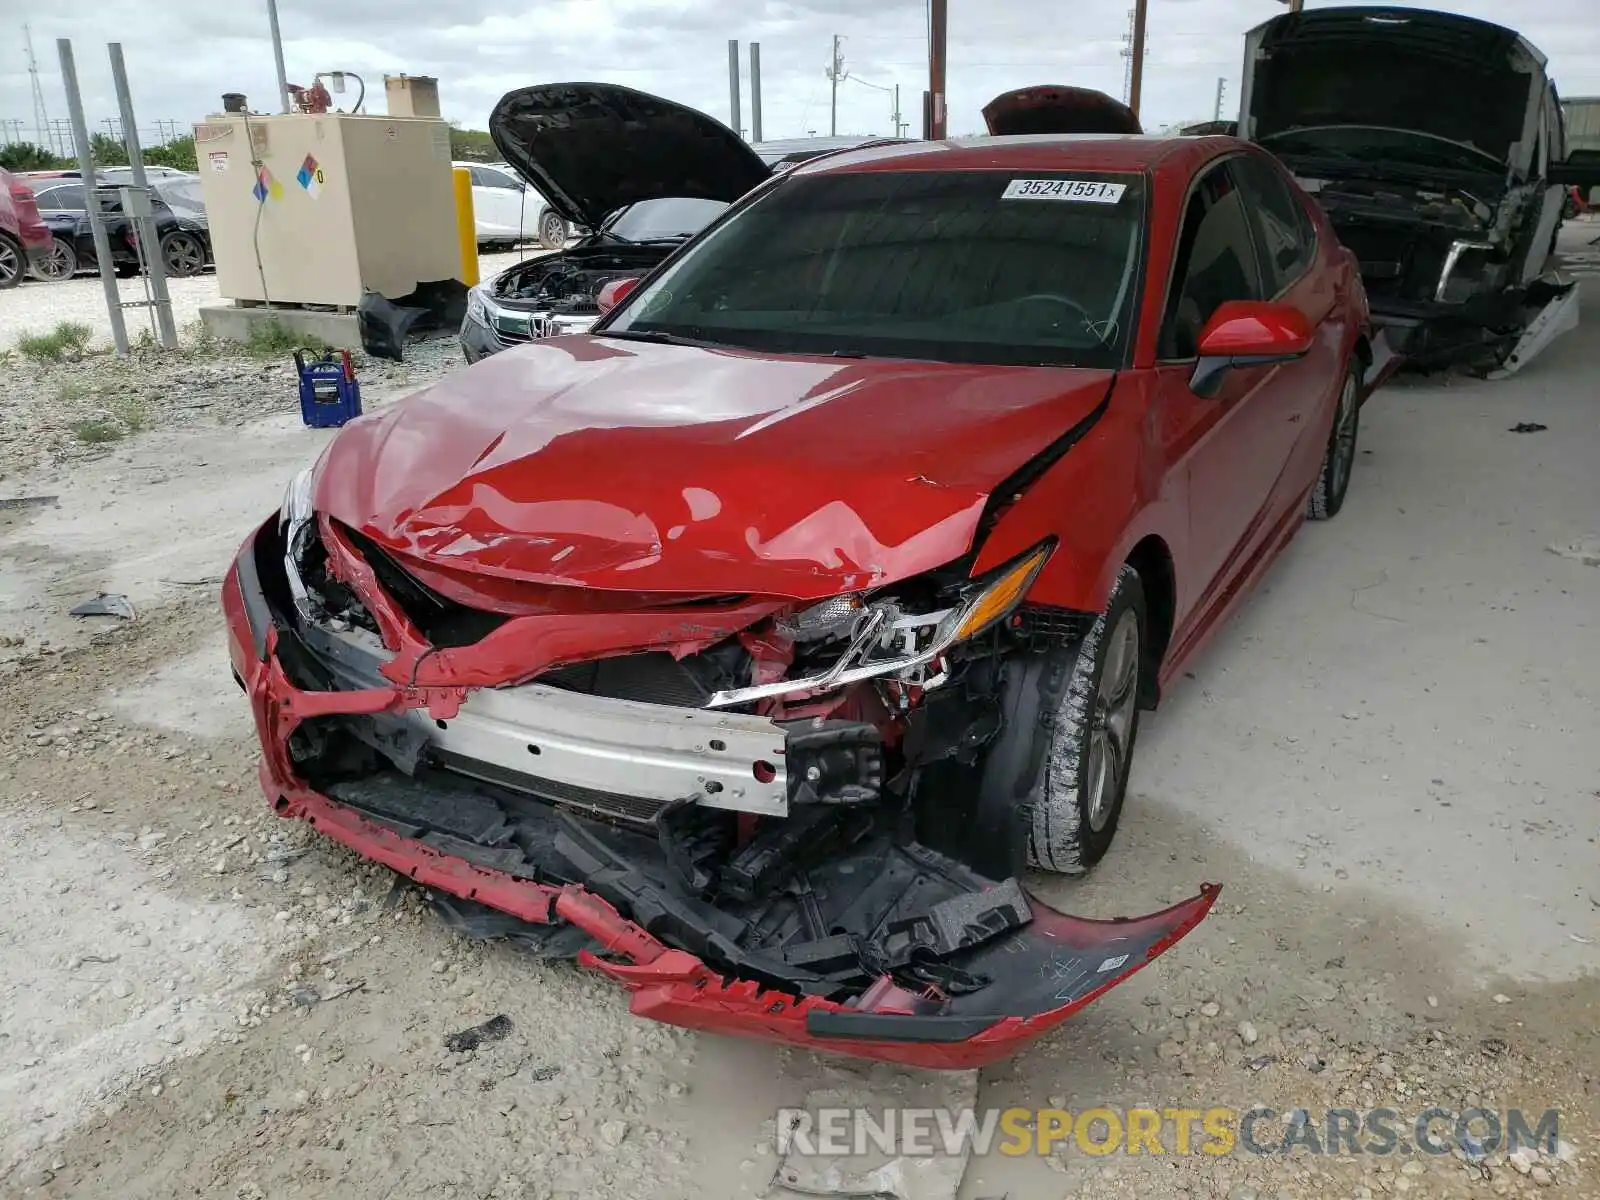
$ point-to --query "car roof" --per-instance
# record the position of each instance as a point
(1030, 152)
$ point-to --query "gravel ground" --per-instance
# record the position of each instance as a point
(1388, 760)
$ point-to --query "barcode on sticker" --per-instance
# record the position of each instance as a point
(1084, 191)
(1111, 964)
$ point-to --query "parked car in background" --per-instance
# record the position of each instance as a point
(507, 211)
(24, 237)
(642, 173)
(1436, 145)
(757, 640)
(180, 220)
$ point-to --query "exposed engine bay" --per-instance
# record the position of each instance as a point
(570, 282)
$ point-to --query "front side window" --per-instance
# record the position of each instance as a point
(1216, 262)
(1015, 267)
(1280, 219)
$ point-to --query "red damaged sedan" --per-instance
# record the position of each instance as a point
(750, 647)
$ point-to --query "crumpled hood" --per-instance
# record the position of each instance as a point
(592, 149)
(641, 467)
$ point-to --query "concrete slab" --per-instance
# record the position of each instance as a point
(238, 324)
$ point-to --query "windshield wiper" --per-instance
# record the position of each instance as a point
(652, 335)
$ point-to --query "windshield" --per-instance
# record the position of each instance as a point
(655, 220)
(976, 266)
(1383, 146)
(182, 194)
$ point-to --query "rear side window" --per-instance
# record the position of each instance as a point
(1216, 262)
(67, 197)
(1286, 236)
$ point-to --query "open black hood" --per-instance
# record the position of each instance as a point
(1055, 108)
(1457, 78)
(594, 148)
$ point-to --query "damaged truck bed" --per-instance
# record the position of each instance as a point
(830, 926)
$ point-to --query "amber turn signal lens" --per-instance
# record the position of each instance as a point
(1003, 594)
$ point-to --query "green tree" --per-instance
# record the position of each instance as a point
(107, 151)
(24, 156)
(177, 154)
(472, 145)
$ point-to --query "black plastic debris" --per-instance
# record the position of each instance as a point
(1528, 427)
(10, 502)
(385, 324)
(106, 604)
(493, 1030)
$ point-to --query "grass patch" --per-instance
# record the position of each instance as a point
(97, 431)
(272, 339)
(53, 346)
(132, 412)
(73, 391)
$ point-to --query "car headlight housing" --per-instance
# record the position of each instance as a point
(888, 641)
(478, 304)
(296, 518)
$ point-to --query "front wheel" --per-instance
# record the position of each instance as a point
(1338, 460)
(552, 230)
(1054, 779)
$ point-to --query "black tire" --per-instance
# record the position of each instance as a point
(1339, 459)
(553, 231)
(62, 262)
(13, 262)
(1041, 799)
(182, 254)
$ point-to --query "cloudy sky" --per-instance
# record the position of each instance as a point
(183, 54)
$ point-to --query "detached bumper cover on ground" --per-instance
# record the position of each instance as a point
(953, 970)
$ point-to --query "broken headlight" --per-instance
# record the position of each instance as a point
(887, 640)
(296, 522)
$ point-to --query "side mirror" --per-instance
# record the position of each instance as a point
(1247, 333)
(614, 293)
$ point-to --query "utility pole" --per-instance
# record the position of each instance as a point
(1222, 85)
(277, 54)
(755, 91)
(1133, 48)
(41, 120)
(934, 108)
(91, 196)
(835, 73)
(899, 125)
(733, 84)
(149, 239)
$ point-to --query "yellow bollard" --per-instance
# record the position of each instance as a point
(466, 227)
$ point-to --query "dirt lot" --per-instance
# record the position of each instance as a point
(1388, 760)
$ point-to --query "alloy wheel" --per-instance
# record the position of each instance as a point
(1115, 702)
(60, 263)
(10, 264)
(183, 254)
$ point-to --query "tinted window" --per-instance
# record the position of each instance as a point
(1281, 221)
(1215, 263)
(497, 179)
(653, 220)
(68, 196)
(930, 265)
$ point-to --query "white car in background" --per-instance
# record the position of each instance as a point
(507, 211)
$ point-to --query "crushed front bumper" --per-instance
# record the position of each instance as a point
(1022, 968)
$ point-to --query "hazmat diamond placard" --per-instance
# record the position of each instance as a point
(309, 176)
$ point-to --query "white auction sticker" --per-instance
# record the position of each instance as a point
(1084, 191)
